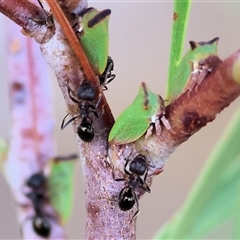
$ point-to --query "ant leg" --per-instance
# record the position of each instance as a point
(94, 107)
(125, 170)
(117, 179)
(63, 121)
(93, 111)
(99, 99)
(135, 214)
(105, 88)
(145, 187)
(108, 75)
(48, 21)
(63, 125)
(70, 94)
(111, 78)
(147, 163)
(41, 5)
(102, 110)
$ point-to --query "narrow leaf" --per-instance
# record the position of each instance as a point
(61, 187)
(215, 196)
(180, 20)
(236, 228)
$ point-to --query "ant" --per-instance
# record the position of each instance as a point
(137, 171)
(107, 76)
(48, 20)
(85, 94)
(40, 223)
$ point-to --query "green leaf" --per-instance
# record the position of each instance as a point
(61, 186)
(180, 20)
(215, 196)
(236, 224)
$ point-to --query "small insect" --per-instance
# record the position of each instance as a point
(194, 64)
(175, 16)
(40, 221)
(85, 94)
(94, 37)
(48, 20)
(107, 76)
(137, 171)
(138, 118)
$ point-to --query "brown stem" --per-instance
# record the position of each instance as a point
(24, 10)
(78, 50)
(24, 14)
(194, 109)
(32, 143)
(104, 219)
(187, 114)
(73, 40)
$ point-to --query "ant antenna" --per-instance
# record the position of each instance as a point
(48, 20)
(41, 5)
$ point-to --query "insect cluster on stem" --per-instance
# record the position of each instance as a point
(93, 36)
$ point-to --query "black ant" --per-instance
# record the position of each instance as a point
(107, 76)
(85, 94)
(40, 222)
(137, 171)
(48, 20)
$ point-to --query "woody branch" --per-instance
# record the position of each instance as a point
(187, 114)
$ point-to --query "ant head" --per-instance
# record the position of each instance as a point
(85, 130)
(41, 226)
(137, 171)
(86, 91)
(126, 199)
(36, 181)
(138, 165)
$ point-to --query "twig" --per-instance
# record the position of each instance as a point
(101, 190)
(32, 143)
(187, 114)
(23, 13)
